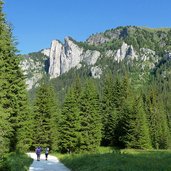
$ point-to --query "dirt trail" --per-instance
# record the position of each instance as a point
(52, 164)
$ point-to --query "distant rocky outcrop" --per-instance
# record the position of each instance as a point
(96, 72)
(125, 51)
(147, 54)
(65, 56)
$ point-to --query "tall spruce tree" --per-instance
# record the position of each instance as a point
(54, 119)
(108, 112)
(121, 99)
(13, 96)
(136, 126)
(25, 129)
(45, 116)
(69, 124)
(90, 130)
(119, 93)
(157, 120)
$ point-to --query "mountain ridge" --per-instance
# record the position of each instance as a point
(122, 43)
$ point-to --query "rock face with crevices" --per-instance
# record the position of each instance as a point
(65, 56)
(69, 55)
(55, 59)
(126, 51)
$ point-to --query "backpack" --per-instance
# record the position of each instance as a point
(38, 151)
(47, 150)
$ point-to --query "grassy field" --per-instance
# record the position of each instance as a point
(124, 160)
(15, 162)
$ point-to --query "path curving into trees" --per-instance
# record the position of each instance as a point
(52, 164)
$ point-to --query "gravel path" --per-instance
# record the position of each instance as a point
(52, 164)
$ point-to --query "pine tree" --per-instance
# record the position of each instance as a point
(90, 129)
(5, 107)
(12, 85)
(69, 124)
(110, 128)
(25, 130)
(136, 126)
(54, 119)
(108, 112)
(5, 132)
(119, 94)
(121, 100)
(46, 116)
(43, 122)
(157, 120)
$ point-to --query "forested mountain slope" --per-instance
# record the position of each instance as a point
(139, 51)
(142, 47)
(119, 80)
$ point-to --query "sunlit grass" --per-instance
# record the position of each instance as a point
(15, 162)
(108, 159)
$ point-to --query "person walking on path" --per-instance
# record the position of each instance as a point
(38, 152)
(46, 152)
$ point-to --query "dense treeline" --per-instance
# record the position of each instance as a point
(112, 113)
(121, 118)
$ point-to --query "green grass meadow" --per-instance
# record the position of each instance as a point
(123, 160)
(15, 162)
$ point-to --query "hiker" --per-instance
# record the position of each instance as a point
(46, 152)
(38, 152)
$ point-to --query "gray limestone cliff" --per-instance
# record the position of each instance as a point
(125, 51)
(64, 56)
(55, 58)
(69, 55)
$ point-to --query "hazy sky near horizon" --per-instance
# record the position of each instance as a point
(37, 22)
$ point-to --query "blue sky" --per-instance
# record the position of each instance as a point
(37, 22)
